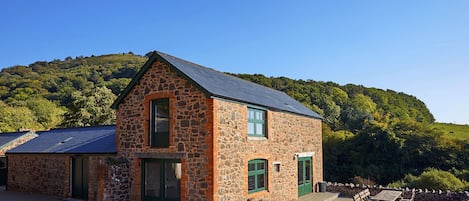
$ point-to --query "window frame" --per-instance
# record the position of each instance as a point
(154, 136)
(256, 121)
(256, 173)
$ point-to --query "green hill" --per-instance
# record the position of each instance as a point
(453, 130)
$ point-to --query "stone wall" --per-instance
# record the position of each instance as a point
(39, 173)
(190, 131)
(287, 134)
(49, 174)
(115, 171)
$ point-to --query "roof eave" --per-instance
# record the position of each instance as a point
(30, 152)
(264, 106)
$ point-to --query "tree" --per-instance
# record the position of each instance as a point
(15, 118)
(90, 108)
(360, 109)
(46, 113)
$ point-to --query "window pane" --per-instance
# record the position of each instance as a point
(308, 171)
(251, 167)
(160, 123)
(250, 128)
(259, 129)
(300, 172)
(152, 179)
(251, 114)
(261, 166)
(259, 116)
(261, 181)
(251, 182)
(162, 117)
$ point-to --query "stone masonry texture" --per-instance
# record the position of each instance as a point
(209, 136)
(190, 131)
(287, 134)
(39, 173)
(49, 174)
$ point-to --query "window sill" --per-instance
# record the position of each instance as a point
(253, 138)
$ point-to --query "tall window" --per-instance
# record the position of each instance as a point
(159, 126)
(257, 175)
(256, 122)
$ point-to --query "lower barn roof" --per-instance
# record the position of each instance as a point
(83, 140)
(6, 138)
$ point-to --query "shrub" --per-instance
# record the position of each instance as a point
(437, 179)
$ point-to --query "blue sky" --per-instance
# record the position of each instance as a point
(420, 47)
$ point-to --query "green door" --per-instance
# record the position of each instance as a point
(161, 180)
(305, 184)
(80, 177)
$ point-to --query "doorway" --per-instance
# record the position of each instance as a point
(80, 177)
(305, 184)
(161, 180)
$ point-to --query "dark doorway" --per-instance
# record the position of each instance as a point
(80, 177)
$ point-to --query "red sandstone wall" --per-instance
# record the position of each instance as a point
(287, 134)
(39, 173)
(190, 132)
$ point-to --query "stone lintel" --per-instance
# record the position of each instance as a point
(304, 154)
(161, 155)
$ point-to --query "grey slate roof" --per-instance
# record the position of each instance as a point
(83, 140)
(6, 138)
(221, 85)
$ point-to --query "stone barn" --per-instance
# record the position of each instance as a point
(192, 133)
(65, 163)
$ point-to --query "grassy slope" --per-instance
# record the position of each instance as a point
(453, 130)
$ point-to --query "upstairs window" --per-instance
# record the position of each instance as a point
(257, 175)
(256, 123)
(159, 126)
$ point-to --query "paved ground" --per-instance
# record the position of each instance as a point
(18, 196)
(323, 197)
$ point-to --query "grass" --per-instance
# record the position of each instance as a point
(453, 130)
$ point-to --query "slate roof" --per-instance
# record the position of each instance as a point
(6, 138)
(221, 85)
(83, 140)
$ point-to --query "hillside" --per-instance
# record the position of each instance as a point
(344, 107)
(453, 130)
(379, 135)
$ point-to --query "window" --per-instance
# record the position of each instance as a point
(257, 175)
(256, 122)
(161, 179)
(159, 126)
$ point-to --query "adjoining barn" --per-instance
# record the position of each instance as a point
(62, 162)
(9, 141)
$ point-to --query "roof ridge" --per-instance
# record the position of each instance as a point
(69, 128)
(216, 71)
